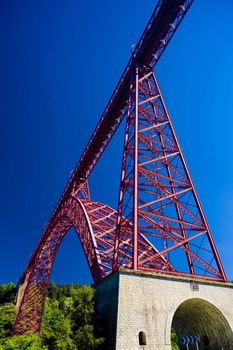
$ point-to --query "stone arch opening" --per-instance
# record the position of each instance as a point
(199, 317)
(142, 338)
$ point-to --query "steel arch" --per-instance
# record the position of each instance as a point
(95, 225)
(32, 292)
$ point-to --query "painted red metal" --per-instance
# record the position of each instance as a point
(95, 224)
(159, 225)
(135, 174)
(156, 187)
(162, 25)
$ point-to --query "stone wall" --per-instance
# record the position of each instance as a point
(106, 295)
(135, 301)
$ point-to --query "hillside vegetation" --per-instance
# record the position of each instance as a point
(69, 320)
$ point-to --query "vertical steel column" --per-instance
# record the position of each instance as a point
(121, 192)
(135, 200)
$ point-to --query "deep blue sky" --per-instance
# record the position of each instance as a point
(60, 61)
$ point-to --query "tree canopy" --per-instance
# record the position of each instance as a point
(68, 321)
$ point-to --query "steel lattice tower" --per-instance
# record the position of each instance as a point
(159, 224)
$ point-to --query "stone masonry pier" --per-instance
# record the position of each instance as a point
(139, 309)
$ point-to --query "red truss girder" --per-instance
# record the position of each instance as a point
(157, 194)
(159, 225)
(161, 27)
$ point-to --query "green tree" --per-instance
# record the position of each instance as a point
(7, 293)
(7, 316)
(24, 342)
(86, 340)
(83, 318)
(56, 332)
(68, 322)
(83, 306)
(174, 340)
